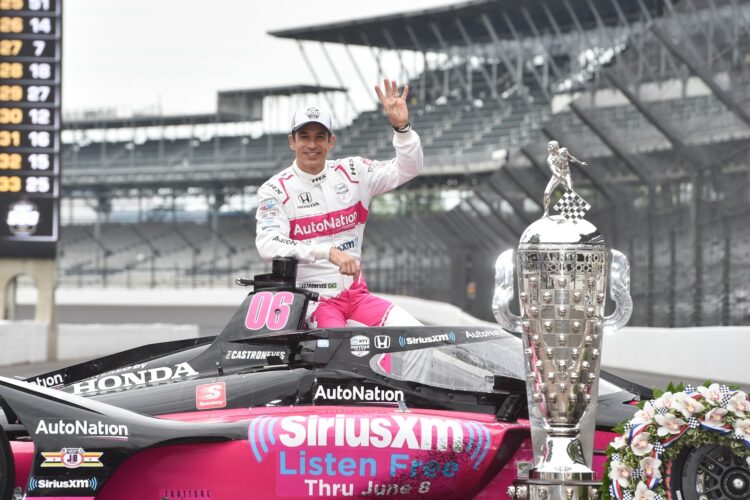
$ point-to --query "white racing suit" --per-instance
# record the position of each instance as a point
(302, 215)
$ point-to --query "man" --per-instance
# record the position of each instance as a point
(558, 162)
(316, 209)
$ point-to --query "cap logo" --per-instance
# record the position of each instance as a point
(312, 113)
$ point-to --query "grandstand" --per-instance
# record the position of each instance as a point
(653, 94)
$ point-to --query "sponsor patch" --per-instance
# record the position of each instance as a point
(268, 204)
(318, 286)
(211, 396)
(323, 343)
(319, 178)
(72, 458)
(431, 339)
(285, 241)
(360, 345)
(305, 228)
(348, 244)
(372, 165)
(267, 214)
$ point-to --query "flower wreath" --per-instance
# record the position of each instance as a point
(661, 428)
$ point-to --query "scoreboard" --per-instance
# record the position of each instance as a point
(30, 116)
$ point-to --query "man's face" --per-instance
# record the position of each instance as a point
(311, 144)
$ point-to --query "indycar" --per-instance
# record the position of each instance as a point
(268, 409)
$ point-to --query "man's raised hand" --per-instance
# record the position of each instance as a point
(394, 104)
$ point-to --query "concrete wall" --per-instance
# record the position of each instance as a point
(26, 341)
(661, 355)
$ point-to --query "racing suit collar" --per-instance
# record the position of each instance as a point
(310, 179)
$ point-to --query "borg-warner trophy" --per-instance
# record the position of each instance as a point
(561, 266)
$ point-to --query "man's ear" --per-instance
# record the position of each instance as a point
(291, 141)
(331, 141)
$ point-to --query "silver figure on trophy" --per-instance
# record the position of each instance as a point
(558, 162)
(561, 265)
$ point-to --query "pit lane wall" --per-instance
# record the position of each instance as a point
(650, 356)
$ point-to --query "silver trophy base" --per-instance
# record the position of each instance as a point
(563, 473)
(563, 458)
(538, 489)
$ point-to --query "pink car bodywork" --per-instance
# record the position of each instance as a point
(322, 451)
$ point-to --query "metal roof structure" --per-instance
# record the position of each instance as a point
(476, 21)
(197, 119)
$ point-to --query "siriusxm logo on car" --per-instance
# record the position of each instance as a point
(431, 339)
(60, 484)
(281, 436)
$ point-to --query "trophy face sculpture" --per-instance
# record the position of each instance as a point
(561, 266)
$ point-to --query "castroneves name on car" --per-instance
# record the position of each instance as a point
(358, 393)
(253, 354)
(141, 377)
(82, 428)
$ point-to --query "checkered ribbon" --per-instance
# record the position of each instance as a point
(628, 427)
(693, 423)
(726, 395)
(616, 457)
(661, 410)
(658, 449)
(689, 389)
(572, 206)
(627, 495)
(658, 497)
(637, 474)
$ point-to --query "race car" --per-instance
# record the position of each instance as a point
(267, 409)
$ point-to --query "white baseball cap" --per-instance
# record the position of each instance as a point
(311, 114)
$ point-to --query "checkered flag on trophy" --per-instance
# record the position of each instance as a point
(572, 206)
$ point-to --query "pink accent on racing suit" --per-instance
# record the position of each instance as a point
(302, 215)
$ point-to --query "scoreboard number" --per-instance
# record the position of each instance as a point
(30, 90)
(11, 24)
